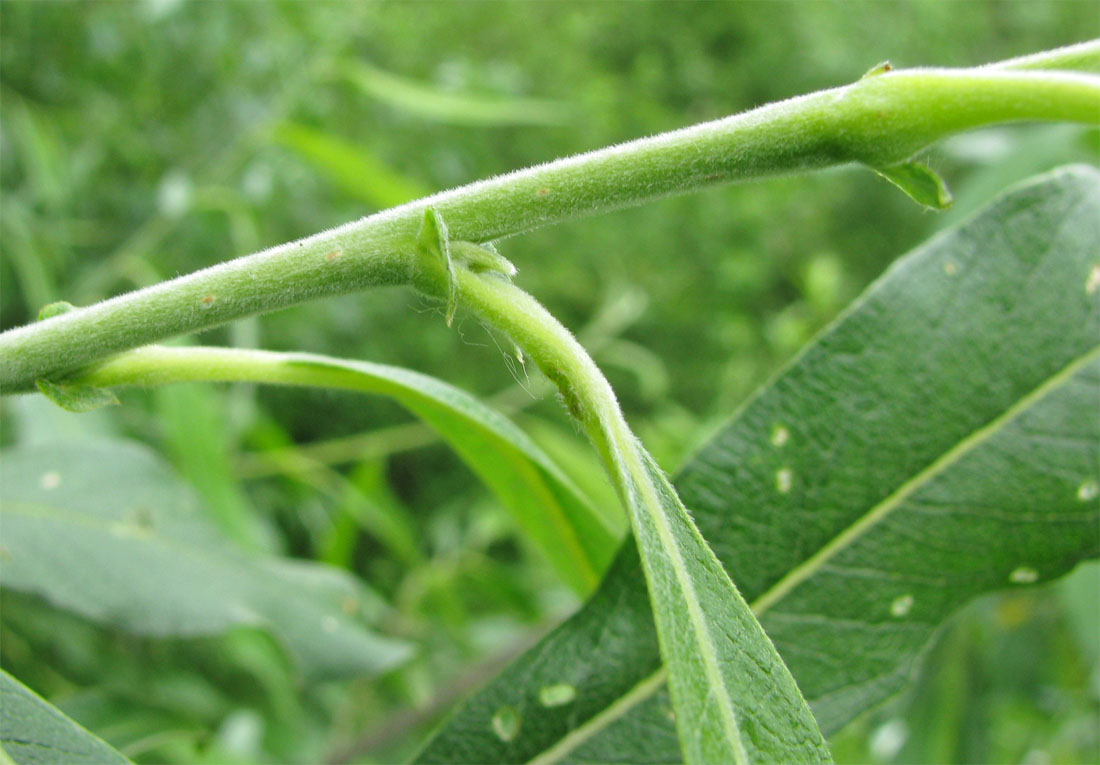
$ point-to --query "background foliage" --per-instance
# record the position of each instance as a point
(147, 139)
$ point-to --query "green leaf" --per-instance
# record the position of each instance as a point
(76, 397)
(352, 167)
(734, 700)
(34, 732)
(547, 505)
(54, 309)
(921, 183)
(928, 448)
(455, 108)
(104, 529)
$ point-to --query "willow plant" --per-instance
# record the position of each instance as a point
(734, 699)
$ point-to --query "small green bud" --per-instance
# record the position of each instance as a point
(50, 310)
(76, 397)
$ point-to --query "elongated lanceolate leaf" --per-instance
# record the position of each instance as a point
(34, 732)
(351, 167)
(938, 442)
(734, 700)
(104, 529)
(550, 509)
(437, 105)
(553, 513)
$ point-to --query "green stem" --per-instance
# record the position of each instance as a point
(1082, 57)
(708, 654)
(879, 121)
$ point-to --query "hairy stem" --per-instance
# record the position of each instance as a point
(703, 649)
(879, 120)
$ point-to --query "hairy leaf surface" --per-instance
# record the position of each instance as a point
(104, 529)
(34, 732)
(938, 442)
(733, 699)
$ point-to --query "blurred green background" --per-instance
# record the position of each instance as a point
(140, 140)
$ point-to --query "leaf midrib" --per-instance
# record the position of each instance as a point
(645, 688)
(695, 610)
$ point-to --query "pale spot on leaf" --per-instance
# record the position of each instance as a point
(888, 739)
(1024, 575)
(506, 723)
(901, 605)
(557, 695)
(950, 268)
(1093, 283)
(1088, 490)
(51, 479)
(330, 624)
(130, 531)
(784, 479)
(780, 436)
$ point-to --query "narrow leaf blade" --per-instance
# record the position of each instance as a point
(351, 167)
(33, 731)
(545, 503)
(733, 698)
(438, 105)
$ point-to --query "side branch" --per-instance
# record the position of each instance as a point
(879, 120)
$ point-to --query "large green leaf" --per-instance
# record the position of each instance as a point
(104, 529)
(33, 732)
(938, 442)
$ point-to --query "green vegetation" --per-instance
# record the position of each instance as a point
(288, 572)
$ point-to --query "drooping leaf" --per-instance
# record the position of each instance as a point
(734, 699)
(103, 528)
(935, 444)
(550, 509)
(457, 108)
(353, 168)
(34, 732)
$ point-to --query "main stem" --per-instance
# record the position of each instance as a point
(878, 120)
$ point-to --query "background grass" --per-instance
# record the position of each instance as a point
(143, 140)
